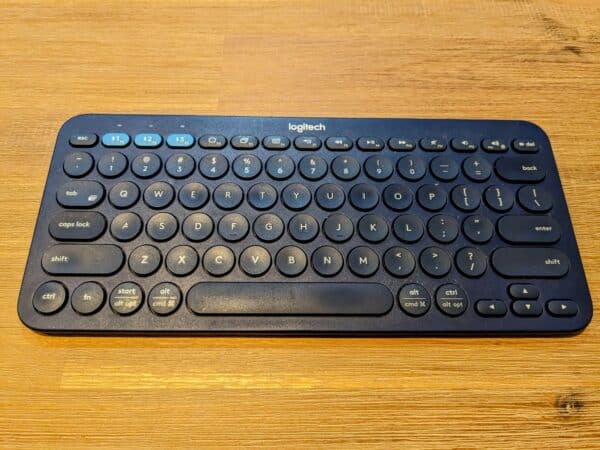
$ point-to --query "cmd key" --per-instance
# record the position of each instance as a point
(519, 262)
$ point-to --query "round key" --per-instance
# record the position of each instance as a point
(193, 195)
(477, 169)
(162, 227)
(345, 168)
(233, 227)
(364, 197)
(431, 197)
(126, 298)
(228, 196)
(338, 228)
(124, 195)
(255, 261)
(262, 196)
(215, 141)
(451, 299)
(327, 261)
(112, 164)
(399, 262)
(444, 168)
(164, 299)
(471, 262)
(411, 168)
(435, 262)
(363, 261)
(213, 166)
(397, 197)
(414, 299)
(197, 227)
(372, 228)
(330, 197)
(50, 297)
(180, 165)
(181, 260)
(443, 228)
(478, 229)
(268, 227)
(78, 164)
(499, 198)
(280, 167)
(146, 165)
(296, 196)
(312, 167)
(534, 199)
(291, 261)
(247, 166)
(159, 195)
(126, 226)
(466, 198)
(145, 260)
(88, 298)
(303, 227)
(244, 142)
(218, 261)
(378, 168)
(408, 228)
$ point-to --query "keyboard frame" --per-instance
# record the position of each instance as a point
(183, 322)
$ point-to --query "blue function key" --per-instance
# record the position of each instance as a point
(180, 140)
(148, 140)
(115, 140)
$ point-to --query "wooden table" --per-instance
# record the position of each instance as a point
(466, 59)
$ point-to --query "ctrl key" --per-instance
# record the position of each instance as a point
(49, 297)
(126, 298)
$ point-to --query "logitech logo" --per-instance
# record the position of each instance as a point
(302, 127)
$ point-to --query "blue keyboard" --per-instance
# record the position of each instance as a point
(222, 225)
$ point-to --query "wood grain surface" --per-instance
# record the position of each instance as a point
(535, 60)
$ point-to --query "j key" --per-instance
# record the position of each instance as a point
(80, 194)
(338, 144)
(399, 144)
(338, 228)
(494, 146)
(463, 145)
(83, 140)
(562, 308)
(519, 170)
(309, 298)
(307, 143)
(213, 141)
(276, 142)
(82, 259)
(534, 199)
(78, 164)
(527, 308)
(244, 142)
(523, 291)
(77, 226)
(370, 144)
(433, 144)
(525, 145)
(513, 262)
(499, 198)
(529, 229)
(491, 308)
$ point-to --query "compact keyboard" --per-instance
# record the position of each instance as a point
(193, 224)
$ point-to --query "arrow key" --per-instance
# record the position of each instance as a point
(562, 308)
(490, 308)
(526, 308)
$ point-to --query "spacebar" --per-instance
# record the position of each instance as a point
(359, 299)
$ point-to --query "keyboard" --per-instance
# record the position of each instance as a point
(258, 225)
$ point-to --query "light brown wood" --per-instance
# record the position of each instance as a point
(536, 60)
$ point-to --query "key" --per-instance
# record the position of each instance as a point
(197, 227)
(77, 226)
(463, 145)
(275, 298)
(494, 146)
(471, 262)
(523, 145)
(399, 144)
(490, 308)
(327, 261)
(82, 259)
(233, 227)
(378, 168)
(443, 228)
(499, 198)
(126, 226)
(181, 260)
(126, 298)
(255, 261)
(124, 194)
(303, 227)
(373, 228)
(268, 227)
(411, 168)
(444, 168)
(262, 196)
(519, 170)
(162, 227)
(408, 228)
(116, 140)
(307, 143)
(338, 143)
(523, 291)
(330, 196)
(88, 298)
(228, 196)
(370, 144)
(512, 262)
(180, 165)
(477, 169)
(451, 299)
(362, 261)
(399, 262)
(338, 228)
(49, 297)
(276, 143)
(526, 308)
(83, 140)
(145, 260)
(244, 142)
(214, 141)
(193, 195)
(466, 198)
(78, 164)
(180, 140)
(148, 140)
(313, 167)
(414, 299)
(364, 197)
(529, 229)
(296, 196)
(435, 262)
(562, 308)
(291, 261)
(478, 229)
(218, 261)
(534, 199)
(112, 164)
(397, 197)
(80, 194)
(159, 195)
(164, 299)
(213, 166)
(146, 165)
(280, 167)
(345, 168)
(433, 144)
(432, 197)
(247, 167)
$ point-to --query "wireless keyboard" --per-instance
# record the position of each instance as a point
(192, 224)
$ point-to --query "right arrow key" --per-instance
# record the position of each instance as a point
(562, 308)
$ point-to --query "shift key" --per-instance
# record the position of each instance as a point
(514, 262)
(71, 259)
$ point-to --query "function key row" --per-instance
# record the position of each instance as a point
(334, 143)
